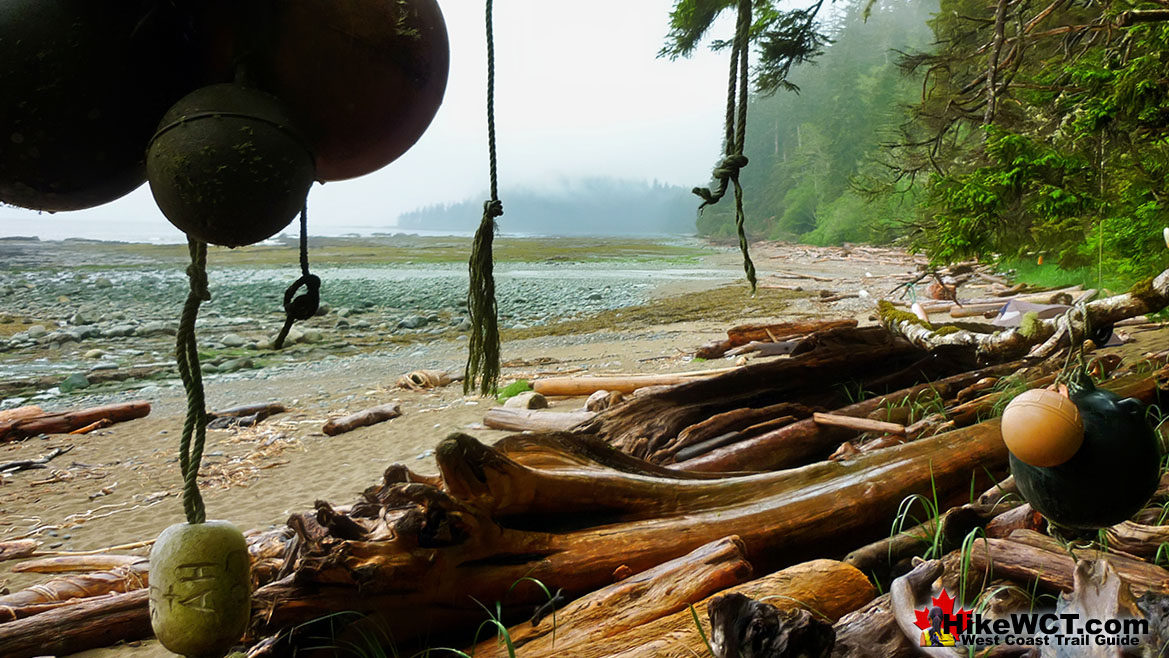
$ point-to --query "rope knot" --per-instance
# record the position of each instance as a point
(197, 274)
(493, 208)
(729, 167)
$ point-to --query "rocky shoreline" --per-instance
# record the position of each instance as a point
(69, 324)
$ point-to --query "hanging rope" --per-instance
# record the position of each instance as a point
(727, 171)
(482, 370)
(187, 358)
(305, 306)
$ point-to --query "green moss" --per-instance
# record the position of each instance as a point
(1029, 325)
(1143, 290)
(947, 330)
(891, 315)
(513, 389)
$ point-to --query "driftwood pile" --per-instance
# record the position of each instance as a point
(777, 482)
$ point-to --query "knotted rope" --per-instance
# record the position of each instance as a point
(727, 171)
(187, 358)
(305, 306)
(482, 369)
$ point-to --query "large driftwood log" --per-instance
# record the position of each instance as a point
(1046, 336)
(588, 385)
(63, 423)
(804, 440)
(409, 547)
(19, 413)
(827, 588)
(749, 333)
(629, 603)
(643, 426)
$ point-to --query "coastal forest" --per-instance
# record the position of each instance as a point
(1015, 129)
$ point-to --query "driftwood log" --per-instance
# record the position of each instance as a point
(587, 385)
(522, 420)
(830, 588)
(1032, 559)
(1045, 336)
(805, 440)
(642, 598)
(498, 520)
(65, 422)
(869, 357)
(364, 418)
(19, 413)
(746, 334)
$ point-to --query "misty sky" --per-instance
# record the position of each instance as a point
(579, 93)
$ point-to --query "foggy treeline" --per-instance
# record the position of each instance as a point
(594, 206)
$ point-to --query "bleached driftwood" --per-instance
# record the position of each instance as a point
(1042, 337)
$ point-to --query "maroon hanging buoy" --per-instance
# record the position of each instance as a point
(366, 77)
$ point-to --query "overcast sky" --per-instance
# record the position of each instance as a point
(579, 92)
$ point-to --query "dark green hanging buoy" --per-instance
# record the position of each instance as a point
(1110, 477)
(228, 166)
(200, 588)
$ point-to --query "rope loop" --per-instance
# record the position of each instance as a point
(493, 208)
(305, 306)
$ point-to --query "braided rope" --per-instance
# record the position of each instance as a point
(482, 370)
(187, 358)
(727, 171)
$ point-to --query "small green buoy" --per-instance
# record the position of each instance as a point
(200, 589)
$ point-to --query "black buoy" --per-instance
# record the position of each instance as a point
(1110, 478)
(82, 86)
(228, 166)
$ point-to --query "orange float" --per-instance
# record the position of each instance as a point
(1042, 428)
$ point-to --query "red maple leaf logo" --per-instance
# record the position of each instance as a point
(946, 603)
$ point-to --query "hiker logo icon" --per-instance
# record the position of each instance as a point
(940, 625)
